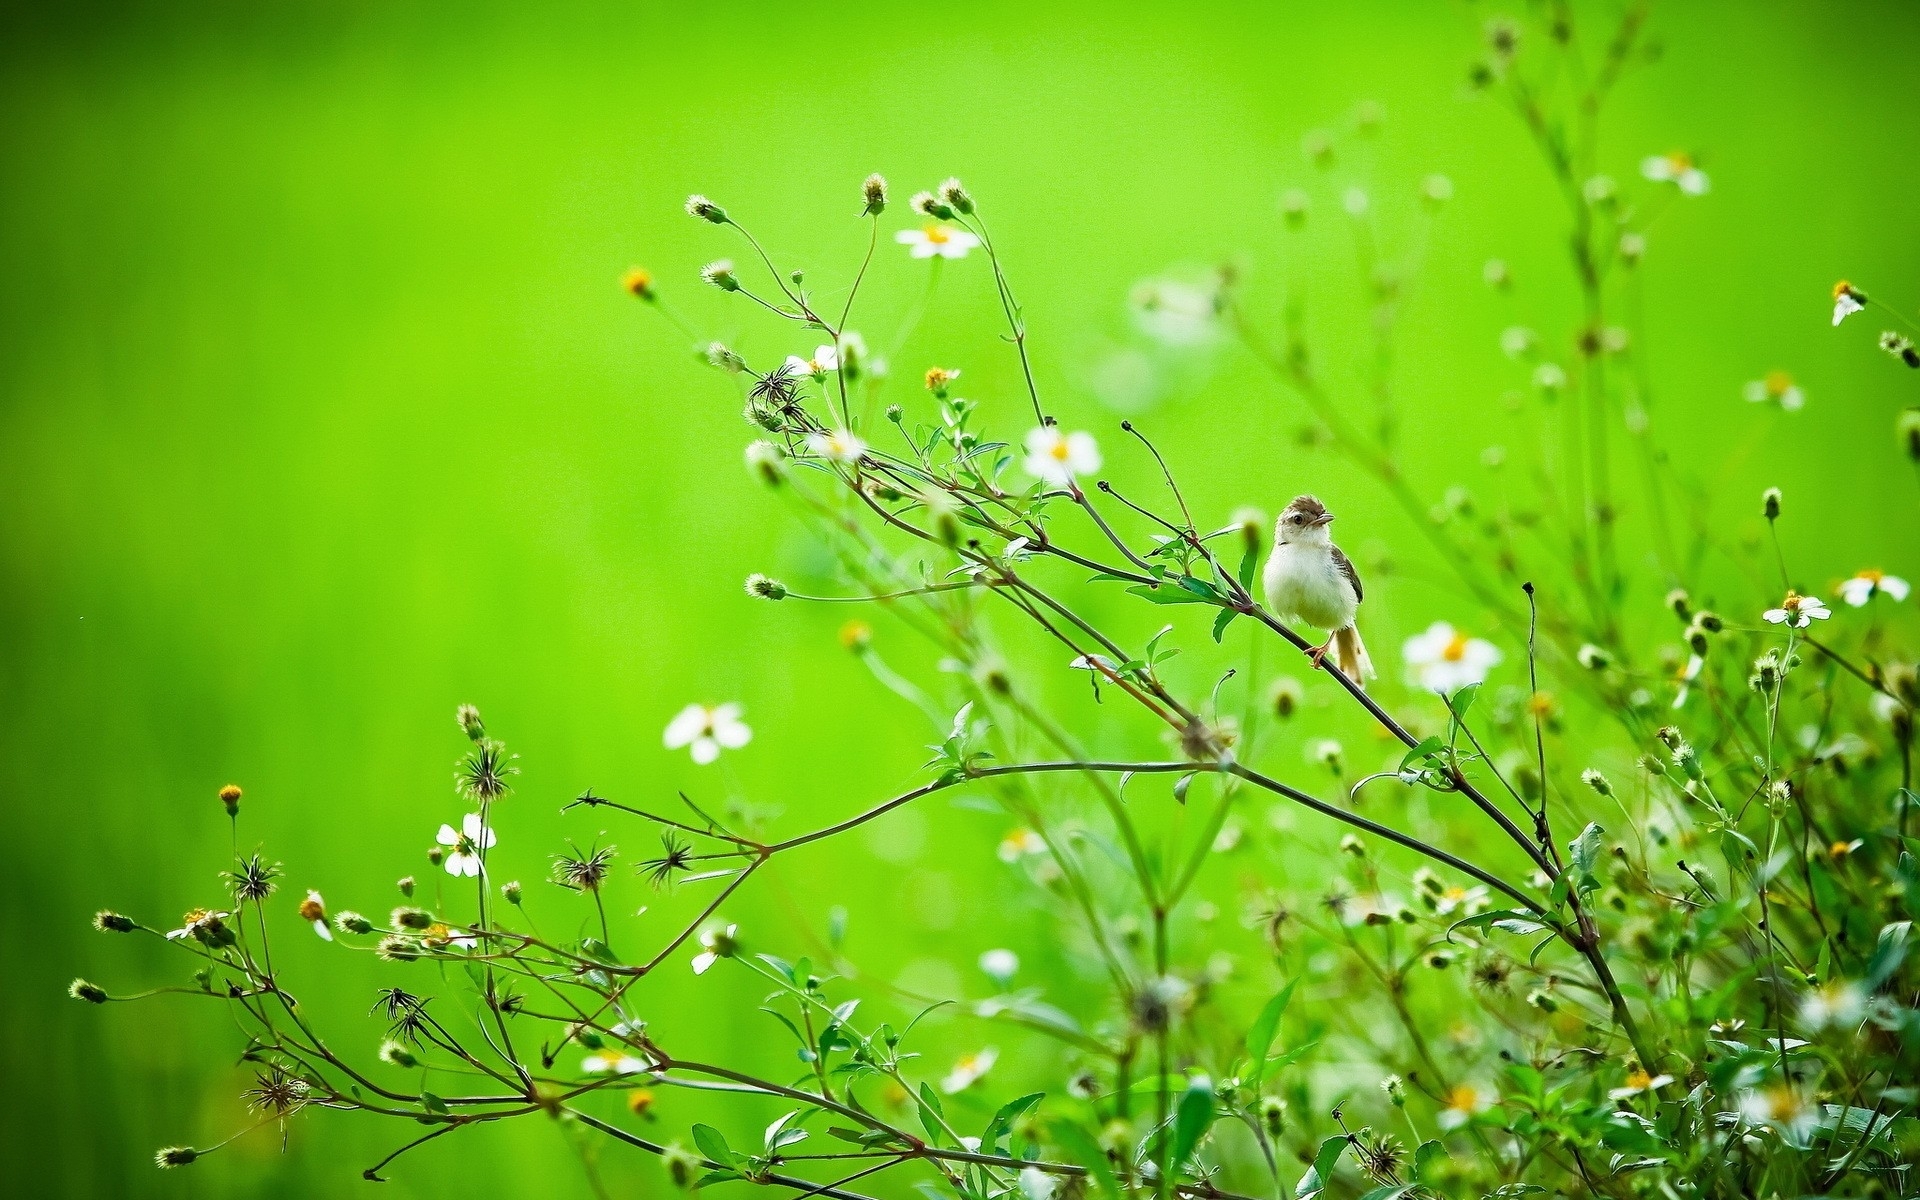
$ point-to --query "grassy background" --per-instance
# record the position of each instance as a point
(321, 412)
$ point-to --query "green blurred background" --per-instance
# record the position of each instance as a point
(321, 411)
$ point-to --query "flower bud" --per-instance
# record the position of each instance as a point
(955, 197)
(108, 921)
(1543, 1001)
(1252, 524)
(638, 283)
(1286, 696)
(720, 358)
(1272, 1111)
(406, 917)
(349, 921)
(230, 799)
(1709, 621)
(767, 461)
(720, 274)
(175, 1156)
(510, 891)
(1906, 431)
(1593, 658)
(405, 885)
(435, 854)
(1770, 503)
(762, 587)
(468, 718)
(397, 1054)
(1396, 1090)
(1633, 247)
(92, 993)
(1439, 960)
(1598, 782)
(705, 209)
(1353, 846)
(1677, 601)
(874, 193)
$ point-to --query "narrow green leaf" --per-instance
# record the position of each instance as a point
(1192, 1118)
(1324, 1161)
(1265, 1026)
(1221, 622)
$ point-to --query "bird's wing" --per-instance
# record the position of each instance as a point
(1344, 565)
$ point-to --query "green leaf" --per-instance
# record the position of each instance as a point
(1171, 595)
(1506, 920)
(1462, 700)
(1324, 1161)
(433, 1103)
(931, 1113)
(1003, 1120)
(713, 1144)
(1425, 1158)
(1260, 1035)
(1584, 855)
(1192, 1118)
(1888, 953)
(1426, 748)
(1221, 622)
(1082, 1149)
(1249, 562)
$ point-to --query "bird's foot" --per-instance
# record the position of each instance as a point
(1319, 653)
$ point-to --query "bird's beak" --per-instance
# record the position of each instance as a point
(1322, 519)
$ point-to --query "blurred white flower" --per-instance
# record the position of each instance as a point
(936, 240)
(824, 361)
(1174, 312)
(1778, 387)
(313, 909)
(1798, 611)
(1549, 377)
(1036, 1184)
(1678, 169)
(1516, 340)
(716, 944)
(1847, 300)
(1463, 1102)
(466, 843)
(968, 1071)
(1355, 202)
(1688, 672)
(1864, 586)
(1021, 843)
(1639, 1081)
(1000, 965)
(1839, 1005)
(1445, 660)
(707, 731)
(1468, 902)
(838, 446)
(1782, 1109)
(1056, 457)
(613, 1062)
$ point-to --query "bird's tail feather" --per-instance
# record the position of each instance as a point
(1351, 653)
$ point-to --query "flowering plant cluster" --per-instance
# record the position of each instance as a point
(1617, 898)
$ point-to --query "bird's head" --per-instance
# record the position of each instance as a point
(1304, 522)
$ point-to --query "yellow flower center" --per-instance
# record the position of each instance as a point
(1872, 575)
(1463, 1098)
(1778, 382)
(1058, 450)
(1541, 703)
(1680, 161)
(1639, 1079)
(937, 235)
(1456, 649)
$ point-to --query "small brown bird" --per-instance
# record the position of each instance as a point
(1308, 579)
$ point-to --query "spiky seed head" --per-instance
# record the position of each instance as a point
(720, 274)
(705, 209)
(874, 192)
(175, 1156)
(395, 948)
(510, 891)
(954, 196)
(763, 587)
(349, 921)
(92, 993)
(468, 718)
(108, 921)
(408, 917)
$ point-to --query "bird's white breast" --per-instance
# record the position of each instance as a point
(1302, 582)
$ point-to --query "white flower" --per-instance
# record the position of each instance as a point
(839, 446)
(1444, 660)
(1467, 902)
(466, 842)
(1000, 965)
(1678, 169)
(314, 909)
(934, 239)
(1862, 587)
(1689, 671)
(1782, 1109)
(1021, 843)
(1798, 611)
(1549, 377)
(1639, 1081)
(825, 361)
(968, 1071)
(1516, 340)
(717, 944)
(1838, 1005)
(613, 1062)
(707, 731)
(1464, 1102)
(1174, 312)
(1057, 457)
(1779, 387)
(1847, 300)
(1036, 1184)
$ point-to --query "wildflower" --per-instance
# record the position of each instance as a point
(874, 193)
(468, 718)
(1176, 312)
(207, 928)
(825, 361)
(230, 799)
(1598, 782)
(1021, 843)
(1847, 300)
(1838, 1005)
(954, 196)
(767, 461)
(92, 993)
(396, 1054)
(484, 772)
(705, 209)
(1600, 190)
(583, 872)
(839, 446)
(1325, 752)
(1678, 169)
(1684, 677)
(928, 205)
(1463, 1102)
(348, 921)
(108, 921)
(1639, 1081)
(1444, 660)
(1633, 247)
(1781, 1108)
(720, 274)
(1516, 340)
(1465, 901)
(763, 587)
(968, 1070)
(1272, 1111)
(1286, 697)
(467, 842)
(613, 1062)
(1777, 387)
(1396, 1090)
(408, 917)
(707, 731)
(405, 884)
(676, 855)
(1593, 658)
(936, 240)
(1797, 611)
(941, 378)
(640, 1101)
(314, 910)
(1549, 377)
(1770, 504)
(716, 944)
(638, 282)
(1869, 583)
(175, 1156)
(1057, 458)
(395, 948)
(1000, 965)
(1900, 346)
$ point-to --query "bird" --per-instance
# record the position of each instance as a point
(1308, 579)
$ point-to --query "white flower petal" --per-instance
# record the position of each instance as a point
(685, 726)
(704, 750)
(448, 836)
